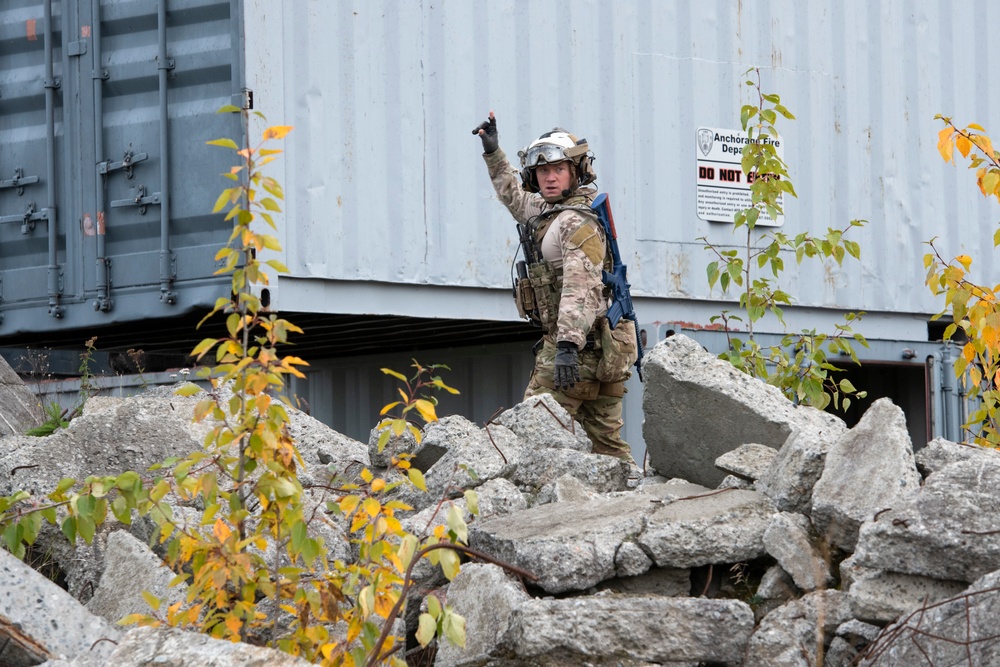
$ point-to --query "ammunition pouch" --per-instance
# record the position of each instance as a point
(545, 286)
(524, 297)
(619, 350)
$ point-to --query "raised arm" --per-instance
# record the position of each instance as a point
(522, 205)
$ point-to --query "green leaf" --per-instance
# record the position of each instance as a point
(86, 526)
(69, 529)
(453, 628)
(433, 606)
(119, 507)
(417, 478)
(847, 387)
(449, 563)
(456, 523)
(472, 501)
(64, 485)
(12, 536)
(426, 629)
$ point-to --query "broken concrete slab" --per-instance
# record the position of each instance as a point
(947, 531)
(748, 461)
(940, 452)
(791, 635)
(868, 469)
(20, 409)
(957, 631)
(131, 568)
(608, 629)
(882, 597)
(599, 473)
(40, 621)
(487, 598)
(568, 546)
(790, 540)
(684, 384)
(790, 479)
(542, 423)
(723, 527)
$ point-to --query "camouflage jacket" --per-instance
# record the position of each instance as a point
(580, 242)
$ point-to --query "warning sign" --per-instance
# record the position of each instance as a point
(723, 188)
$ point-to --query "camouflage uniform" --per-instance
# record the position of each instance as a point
(572, 241)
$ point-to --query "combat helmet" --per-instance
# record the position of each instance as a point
(557, 145)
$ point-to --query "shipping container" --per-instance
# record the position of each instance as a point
(396, 245)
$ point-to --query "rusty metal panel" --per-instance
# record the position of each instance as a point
(388, 189)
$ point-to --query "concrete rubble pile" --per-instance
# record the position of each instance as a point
(762, 534)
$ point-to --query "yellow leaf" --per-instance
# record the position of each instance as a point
(388, 407)
(151, 599)
(221, 531)
(969, 352)
(378, 484)
(233, 624)
(398, 376)
(964, 260)
(426, 409)
(945, 144)
(963, 145)
(349, 503)
(985, 144)
(277, 132)
(371, 507)
(224, 142)
(384, 604)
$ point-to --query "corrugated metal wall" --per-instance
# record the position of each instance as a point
(388, 191)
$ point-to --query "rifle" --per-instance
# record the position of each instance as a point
(621, 298)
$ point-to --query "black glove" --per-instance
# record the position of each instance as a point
(567, 371)
(487, 131)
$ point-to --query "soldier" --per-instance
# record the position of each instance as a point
(562, 290)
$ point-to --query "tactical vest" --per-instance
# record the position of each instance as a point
(538, 293)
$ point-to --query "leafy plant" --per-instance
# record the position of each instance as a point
(973, 306)
(255, 538)
(56, 418)
(414, 397)
(805, 375)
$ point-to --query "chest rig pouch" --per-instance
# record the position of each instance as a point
(538, 287)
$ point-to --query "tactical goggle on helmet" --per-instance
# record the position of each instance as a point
(556, 146)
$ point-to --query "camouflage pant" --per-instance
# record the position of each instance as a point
(600, 414)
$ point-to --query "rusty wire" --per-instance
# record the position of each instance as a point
(903, 630)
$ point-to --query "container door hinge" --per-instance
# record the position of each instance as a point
(243, 99)
(76, 48)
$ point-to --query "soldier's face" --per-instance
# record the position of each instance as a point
(554, 178)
